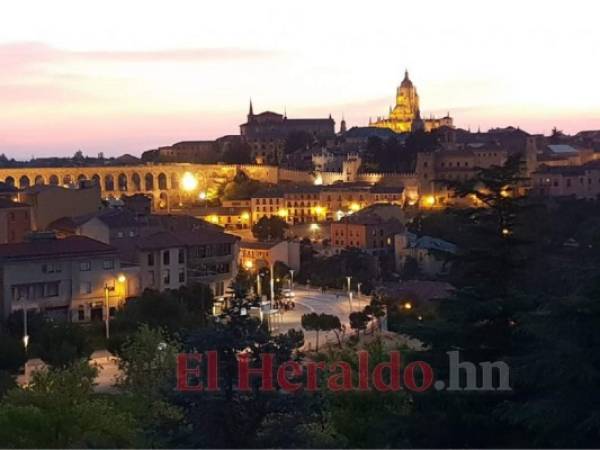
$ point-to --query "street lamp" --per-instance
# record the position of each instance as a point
(358, 293)
(25, 335)
(349, 293)
(107, 289)
(291, 280)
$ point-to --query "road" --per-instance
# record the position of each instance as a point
(312, 300)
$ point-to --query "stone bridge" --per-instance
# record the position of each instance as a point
(162, 181)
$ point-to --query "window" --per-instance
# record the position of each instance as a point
(51, 268)
(80, 314)
(166, 276)
(166, 257)
(52, 289)
(181, 276)
(181, 256)
(85, 287)
(150, 259)
(108, 264)
(151, 279)
(85, 266)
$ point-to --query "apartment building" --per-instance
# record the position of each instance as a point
(255, 255)
(66, 278)
(368, 232)
(298, 204)
(15, 221)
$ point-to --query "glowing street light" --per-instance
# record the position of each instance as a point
(202, 195)
(189, 182)
(407, 305)
(248, 264)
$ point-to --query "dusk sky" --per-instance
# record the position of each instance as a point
(126, 76)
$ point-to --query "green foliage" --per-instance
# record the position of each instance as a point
(242, 187)
(188, 306)
(61, 344)
(229, 417)
(298, 140)
(269, 228)
(237, 153)
(359, 321)
(59, 410)
(12, 354)
(368, 419)
(331, 272)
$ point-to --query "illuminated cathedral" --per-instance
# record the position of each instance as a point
(406, 115)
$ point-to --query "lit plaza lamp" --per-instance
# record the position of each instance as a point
(107, 289)
(189, 182)
(349, 279)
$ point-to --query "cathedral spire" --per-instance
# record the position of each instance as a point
(251, 111)
(406, 75)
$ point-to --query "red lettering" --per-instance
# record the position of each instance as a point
(409, 376)
(311, 374)
(363, 370)
(183, 372)
(283, 381)
(265, 371)
(341, 381)
(213, 371)
(393, 367)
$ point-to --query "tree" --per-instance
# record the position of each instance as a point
(62, 343)
(481, 317)
(59, 410)
(235, 418)
(298, 140)
(321, 322)
(376, 309)
(147, 361)
(12, 354)
(310, 322)
(237, 153)
(269, 228)
(329, 322)
(359, 321)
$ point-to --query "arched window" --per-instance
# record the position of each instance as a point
(137, 182)
(81, 177)
(39, 180)
(10, 181)
(122, 182)
(67, 180)
(162, 182)
(53, 180)
(24, 182)
(149, 182)
(163, 202)
(96, 179)
(109, 183)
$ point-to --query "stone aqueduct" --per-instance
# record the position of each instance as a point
(161, 181)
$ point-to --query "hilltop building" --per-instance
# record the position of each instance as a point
(406, 115)
(266, 133)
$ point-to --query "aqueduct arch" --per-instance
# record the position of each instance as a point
(151, 179)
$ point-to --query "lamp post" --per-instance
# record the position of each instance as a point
(358, 293)
(107, 289)
(25, 335)
(272, 285)
(349, 293)
(291, 280)
(123, 280)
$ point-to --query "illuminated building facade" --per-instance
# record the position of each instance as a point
(406, 115)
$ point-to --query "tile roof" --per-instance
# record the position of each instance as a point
(71, 246)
